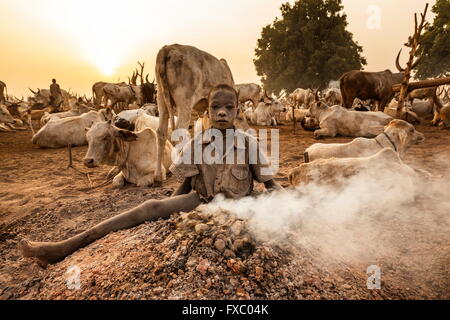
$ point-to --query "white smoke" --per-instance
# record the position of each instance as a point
(372, 214)
(334, 84)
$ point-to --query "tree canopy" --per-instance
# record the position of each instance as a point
(435, 44)
(307, 47)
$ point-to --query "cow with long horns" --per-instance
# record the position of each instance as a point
(371, 85)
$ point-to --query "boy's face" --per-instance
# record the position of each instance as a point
(222, 109)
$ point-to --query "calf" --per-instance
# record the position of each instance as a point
(59, 133)
(134, 154)
(398, 135)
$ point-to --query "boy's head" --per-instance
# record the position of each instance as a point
(54, 80)
(222, 106)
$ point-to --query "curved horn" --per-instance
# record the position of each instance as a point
(146, 78)
(153, 82)
(397, 63)
(32, 90)
(129, 80)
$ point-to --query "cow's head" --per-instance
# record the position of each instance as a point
(316, 107)
(104, 143)
(403, 134)
(106, 114)
(5, 116)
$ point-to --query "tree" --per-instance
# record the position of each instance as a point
(435, 48)
(308, 47)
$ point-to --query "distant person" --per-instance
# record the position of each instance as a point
(55, 94)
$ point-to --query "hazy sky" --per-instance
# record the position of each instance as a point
(80, 42)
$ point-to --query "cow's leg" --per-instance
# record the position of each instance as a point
(382, 105)
(118, 181)
(437, 106)
(113, 172)
(348, 101)
(325, 132)
(51, 252)
(162, 138)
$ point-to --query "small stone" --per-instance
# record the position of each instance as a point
(202, 267)
(229, 254)
(259, 272)
(237, 244)
(207, 242)
(237, 227)
(201, 228)
(220, 245)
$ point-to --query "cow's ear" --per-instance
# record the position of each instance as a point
(109, 121)
(86, 129)
(127, 135)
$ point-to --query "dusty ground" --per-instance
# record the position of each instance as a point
(41, 199)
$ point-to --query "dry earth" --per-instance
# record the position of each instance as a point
(42, 200)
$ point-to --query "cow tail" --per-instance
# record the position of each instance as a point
(163, 85)
(306, 157)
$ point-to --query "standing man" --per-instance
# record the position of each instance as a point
(55, 94)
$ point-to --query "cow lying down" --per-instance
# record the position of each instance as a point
(398, 135)
(134, 154)
(337, 120)
(58, 133)
(75, 111)
(384, 166)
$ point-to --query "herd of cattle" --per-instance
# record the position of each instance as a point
(127, 125)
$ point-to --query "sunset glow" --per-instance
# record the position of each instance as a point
(80, 42)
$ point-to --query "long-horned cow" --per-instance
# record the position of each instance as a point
(185, 76)
(43, 96)
(371, 85)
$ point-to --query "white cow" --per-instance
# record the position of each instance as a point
(398, 135)
(76, 110)
(337, 120)
(250, 92)
(266, 112)
(185, 76)
(302, 96)
(384, 166)
(299, 114)
(134, 154)
(59, 133)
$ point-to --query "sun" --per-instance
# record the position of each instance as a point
(106, 64)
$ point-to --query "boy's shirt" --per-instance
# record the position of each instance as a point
(242, 162)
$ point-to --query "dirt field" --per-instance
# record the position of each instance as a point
(42, 200)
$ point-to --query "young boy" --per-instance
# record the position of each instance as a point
(201, 181)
